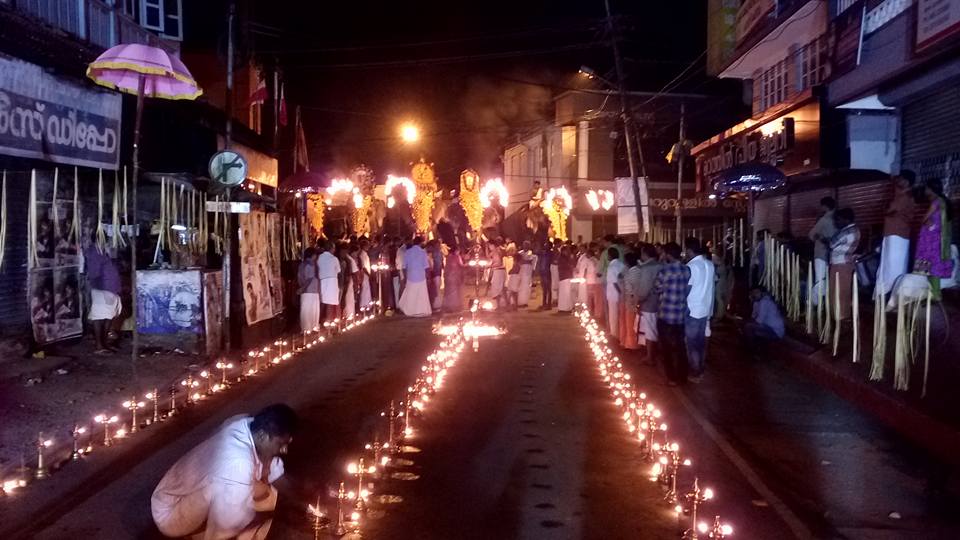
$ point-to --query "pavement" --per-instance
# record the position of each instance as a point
(524, 442)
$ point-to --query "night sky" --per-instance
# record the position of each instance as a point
(468, 73)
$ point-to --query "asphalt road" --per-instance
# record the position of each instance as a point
(523, 442)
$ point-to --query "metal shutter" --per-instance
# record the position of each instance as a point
(770, 213)
(805, 210)
(931, 138)
(14, 317)
(868, 201)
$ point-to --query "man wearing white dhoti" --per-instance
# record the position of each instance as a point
(351, 276)
(895, 251)
(398, 276)
(614, 268)
(328, 270)
(527, 261)
(821, 233)
(309, 283)
(366, 293)
(498, 272)
(415, 299)
(223, 488)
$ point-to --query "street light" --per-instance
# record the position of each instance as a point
(410, 133)
(589, 73)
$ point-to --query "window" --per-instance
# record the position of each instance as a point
(162, 16)
(151, 14)
(773, 85)
(812, 63)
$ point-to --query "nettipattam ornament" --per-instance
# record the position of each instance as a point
(470, 198)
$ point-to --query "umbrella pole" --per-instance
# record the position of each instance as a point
(133, 237)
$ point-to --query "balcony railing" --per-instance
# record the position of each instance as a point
(96, 21)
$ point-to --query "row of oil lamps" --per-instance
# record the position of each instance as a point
(352, 504)
(645, 423)
(192, 389)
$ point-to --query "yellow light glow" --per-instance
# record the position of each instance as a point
(410, 133)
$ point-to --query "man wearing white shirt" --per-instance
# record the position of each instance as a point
(415, 299)
(328, 270)
(223, 488)
(614, 268)
(699, 307)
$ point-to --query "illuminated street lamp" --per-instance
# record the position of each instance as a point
(410, 133)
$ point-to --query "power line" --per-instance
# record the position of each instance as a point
(441, 60)
(531, 32)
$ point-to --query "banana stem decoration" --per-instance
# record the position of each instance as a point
(926, 348)
(836, 307)
(32, 259)
(879, 334)
(3, 218)
(118, 240)
(855, 303)
(53, 202)
(101, 235)
(809, 320)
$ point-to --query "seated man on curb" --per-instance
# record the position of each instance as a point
(223, 487)
(767, 323)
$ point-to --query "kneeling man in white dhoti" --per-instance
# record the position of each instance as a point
(223, 488)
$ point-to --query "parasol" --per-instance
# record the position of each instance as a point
(749, 178)
(143, 71)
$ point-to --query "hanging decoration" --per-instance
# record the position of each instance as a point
(470, 198)
(556, 205)
(118, 241)
(426, 182)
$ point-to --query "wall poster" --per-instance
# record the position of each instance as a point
(168, 301)
(255, 267)
(213, 311)
(56, 305)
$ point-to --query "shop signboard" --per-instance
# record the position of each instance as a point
(937, 20)
(790, 142)
(47, 118)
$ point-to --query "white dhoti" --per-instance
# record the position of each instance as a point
(513, 283)
(104, 305)
(819, 280)
(349, 302)
(894, 254)
(613, 316)
(330, 291)
(309, 311)
(526, 285)
(647, 327)
(498, 278)
(415, 300)
(366, 295)
(565, 296)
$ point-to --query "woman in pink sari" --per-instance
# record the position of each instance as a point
(933, 242)
(453, 282)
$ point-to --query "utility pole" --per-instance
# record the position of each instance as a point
(682, 152)
(627, 117)
(227, 142)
